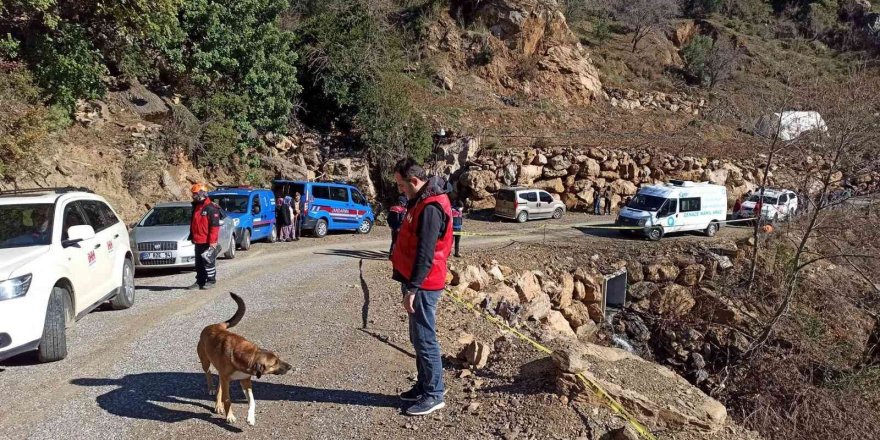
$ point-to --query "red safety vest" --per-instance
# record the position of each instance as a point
(404, 256)
(205, 225)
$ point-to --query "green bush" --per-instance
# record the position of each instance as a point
(701, 8)
(68, 67)
(601, 30)
(237, 50)
(695, 55)
(25, 125)
(220, 141)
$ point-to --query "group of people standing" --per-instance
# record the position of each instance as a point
(288, 217)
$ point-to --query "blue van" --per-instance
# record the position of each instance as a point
(253, 207)
(329, 206)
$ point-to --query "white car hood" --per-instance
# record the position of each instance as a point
(12, 259)
(634, 213)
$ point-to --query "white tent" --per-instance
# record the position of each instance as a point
(790, 124)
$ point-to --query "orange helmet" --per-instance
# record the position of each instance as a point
(198, 187)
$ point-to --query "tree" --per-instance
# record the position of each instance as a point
(643, 16)
(710, 62)
(852, 150)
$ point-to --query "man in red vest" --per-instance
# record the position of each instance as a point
(204, 231)
(419, 259)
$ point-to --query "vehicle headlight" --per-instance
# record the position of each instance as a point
(15, 287)
(643, 222)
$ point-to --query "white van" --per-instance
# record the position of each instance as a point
(677, 206)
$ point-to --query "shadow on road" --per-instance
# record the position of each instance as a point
(386, 341)
(141, 396)
(361, 255)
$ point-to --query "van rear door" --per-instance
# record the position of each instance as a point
(505, 203)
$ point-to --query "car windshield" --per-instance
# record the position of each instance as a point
(25, 225)
(644, 202)
(168, 216)
(767, 199)
(232, 202)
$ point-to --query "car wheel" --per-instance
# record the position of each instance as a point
(366, 227)
(711, 229)
(230, 251)
(655, 233)
(246, 240)
(273, 237)
(321, 228)
(557, 214)
(125, 293)
(53, 343)
(522, 217)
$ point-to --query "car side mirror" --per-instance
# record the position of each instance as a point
(76, 234)
(256, 209)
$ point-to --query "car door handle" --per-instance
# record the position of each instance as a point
(97, 245)
(116, 236)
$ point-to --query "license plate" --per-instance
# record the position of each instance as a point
(155, 255)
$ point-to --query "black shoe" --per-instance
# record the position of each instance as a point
(413, 395)
(195, 286)
(209, 285)
(457, 255)
(425, 406)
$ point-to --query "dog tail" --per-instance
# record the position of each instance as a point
(239, 313)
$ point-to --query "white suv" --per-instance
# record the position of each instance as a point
(779, 204)
(63, 252)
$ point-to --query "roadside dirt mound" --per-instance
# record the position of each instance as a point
(518, 47)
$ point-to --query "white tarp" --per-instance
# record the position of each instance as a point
(793, 124)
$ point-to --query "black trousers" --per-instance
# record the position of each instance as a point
(607, 206)
(206, 271)
(457, 240)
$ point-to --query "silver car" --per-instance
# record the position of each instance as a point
(159, 239)
(524, 204)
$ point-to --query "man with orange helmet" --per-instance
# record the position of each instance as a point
(204, 231)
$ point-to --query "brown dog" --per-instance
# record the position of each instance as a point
(235, 358)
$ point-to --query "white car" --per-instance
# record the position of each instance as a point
(779, 204)
(63, 252)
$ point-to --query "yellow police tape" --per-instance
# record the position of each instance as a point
(593, 386)
(571, 226)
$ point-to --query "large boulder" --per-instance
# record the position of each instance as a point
(642, 290)
(555, 322)
(673, 300)
(623, 187)
(559, 163)
(480, 184)
(474, 277)
(577, 314)
(527, 286)
(661, 272)
(591, 280)
(451, 157)
(528, 174)
(553, 185)
(654, 394)
(538, 308)
(691, 275)
(504, 293)
(355, 171)
(141, 101)
(590, 168)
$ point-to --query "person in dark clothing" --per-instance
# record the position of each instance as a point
(395, 218)
(457, 223)
(597, 202)
(419, 260)
(296, 207)
(606, 196)
(284, 219)
(204, 233)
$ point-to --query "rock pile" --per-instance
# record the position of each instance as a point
(629, 99)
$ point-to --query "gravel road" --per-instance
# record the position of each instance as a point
(135, 373)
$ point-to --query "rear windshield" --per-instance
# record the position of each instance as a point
(25, 225)
(284, 189)
(767, 199)
(168, 216)
(506, 195)
(644, 202)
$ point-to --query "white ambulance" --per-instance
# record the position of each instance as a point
(677, 206)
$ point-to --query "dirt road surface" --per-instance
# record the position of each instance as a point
(135, 373)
